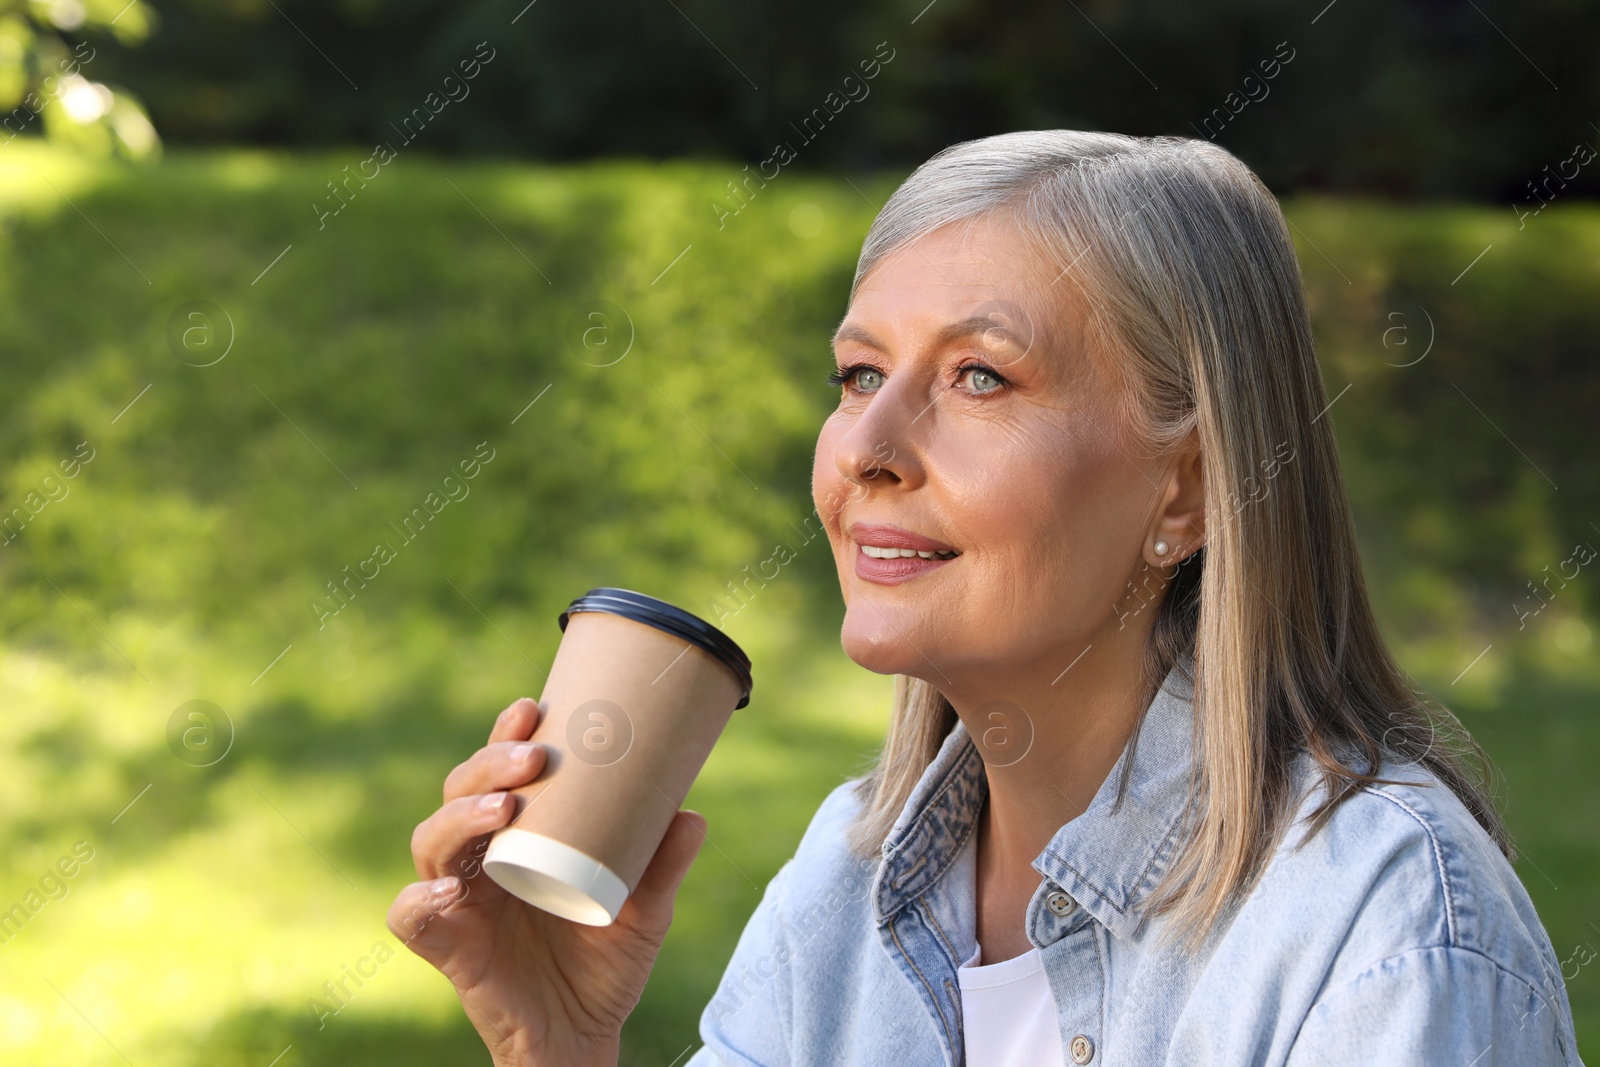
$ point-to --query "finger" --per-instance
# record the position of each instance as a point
(417, 917)
(650, 904)
(516, 723)
(501, 765)
(452, 840)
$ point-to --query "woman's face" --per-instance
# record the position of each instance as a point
(974, 420)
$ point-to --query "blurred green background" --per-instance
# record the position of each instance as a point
(248, 389)
(377, 353)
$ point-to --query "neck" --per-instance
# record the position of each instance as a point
(1049, 740)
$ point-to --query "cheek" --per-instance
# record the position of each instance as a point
(1084, 530)
(827, 484)
(1011, 486)
(1042, 509)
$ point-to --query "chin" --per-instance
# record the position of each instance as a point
(876, 645)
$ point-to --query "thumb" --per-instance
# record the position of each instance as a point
(658, 886)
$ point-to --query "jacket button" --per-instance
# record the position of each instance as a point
(1060, 906)
(1082, 1049)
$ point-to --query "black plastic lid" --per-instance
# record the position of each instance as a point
(674, 620)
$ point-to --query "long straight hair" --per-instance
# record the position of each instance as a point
(1196, 303)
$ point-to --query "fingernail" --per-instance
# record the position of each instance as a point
(491, 802)
(444, 887)
(524, 752)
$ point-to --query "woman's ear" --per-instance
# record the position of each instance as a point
(1179, 529)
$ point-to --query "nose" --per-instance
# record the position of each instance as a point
(882, 446)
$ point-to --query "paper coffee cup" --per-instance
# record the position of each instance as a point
(637, 696)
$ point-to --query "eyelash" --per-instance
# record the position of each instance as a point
(839, 377)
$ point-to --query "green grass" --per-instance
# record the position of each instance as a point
(378, 352)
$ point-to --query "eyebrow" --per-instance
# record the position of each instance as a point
(953, 332)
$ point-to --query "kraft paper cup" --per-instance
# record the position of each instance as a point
(637, 696)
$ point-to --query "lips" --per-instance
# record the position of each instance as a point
(888, 555)
(879, 536)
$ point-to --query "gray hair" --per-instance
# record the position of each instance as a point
(1197, 305)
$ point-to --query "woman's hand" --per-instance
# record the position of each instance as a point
(541, 990)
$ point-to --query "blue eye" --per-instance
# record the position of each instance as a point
(984, 380)
(867, 379)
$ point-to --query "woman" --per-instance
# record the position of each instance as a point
(1154, 791)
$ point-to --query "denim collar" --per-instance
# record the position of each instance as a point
(1107, 859)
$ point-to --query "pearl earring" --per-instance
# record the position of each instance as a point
(1161, 548)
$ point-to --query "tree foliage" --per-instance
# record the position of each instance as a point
(1410, 98)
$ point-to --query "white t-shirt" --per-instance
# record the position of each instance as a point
(1008, 1013)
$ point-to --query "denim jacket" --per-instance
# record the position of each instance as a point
(1397, 934)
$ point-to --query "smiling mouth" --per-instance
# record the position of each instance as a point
(882, 552)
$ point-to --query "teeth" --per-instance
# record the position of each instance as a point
(880, 552)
